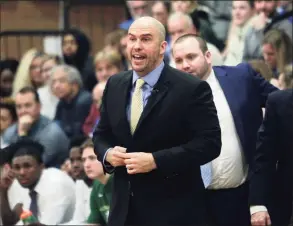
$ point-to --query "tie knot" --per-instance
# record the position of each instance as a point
(139, 83)
(32, 193)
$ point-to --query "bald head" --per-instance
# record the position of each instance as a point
(150, 22)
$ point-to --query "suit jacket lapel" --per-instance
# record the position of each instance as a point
(229, 88)
(123, 102)
(159, 91)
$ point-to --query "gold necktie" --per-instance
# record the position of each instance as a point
(136, 105)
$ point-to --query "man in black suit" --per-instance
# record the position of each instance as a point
(155, 137)
(271, 183)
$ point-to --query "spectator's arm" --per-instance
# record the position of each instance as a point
(56, 144)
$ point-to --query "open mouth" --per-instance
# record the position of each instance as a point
(138, 57)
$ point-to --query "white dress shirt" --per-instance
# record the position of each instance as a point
(82, 202)
(229, 170)
(55, 197)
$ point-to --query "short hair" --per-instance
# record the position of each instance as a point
(113, 38)
(73, 75)
(179, 15)
(112, 56)
(87, 144)
(202, 43)
(23, 146)
(8, 104)
(10, 64)
(77, 141)
(30, 89)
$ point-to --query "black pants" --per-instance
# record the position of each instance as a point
(228, 207)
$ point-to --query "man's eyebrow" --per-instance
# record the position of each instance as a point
(147, 34)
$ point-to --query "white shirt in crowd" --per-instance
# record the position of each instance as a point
(55, 197)
(217, 58)
(49, 102)
(229, 169)
(82, 203)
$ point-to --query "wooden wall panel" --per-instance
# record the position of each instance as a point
(22, 15)
(95, 20)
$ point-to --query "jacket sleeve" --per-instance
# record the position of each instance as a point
(103, 137)
(265, 159)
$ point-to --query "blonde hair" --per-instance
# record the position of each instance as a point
(111, 56)
(288, 76)
(262, 68)
(282, 43)
(22, 76)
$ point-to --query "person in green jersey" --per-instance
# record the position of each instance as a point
(100, 197)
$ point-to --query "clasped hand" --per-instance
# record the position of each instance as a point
(135, 162)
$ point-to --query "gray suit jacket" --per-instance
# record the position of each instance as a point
(47, 133)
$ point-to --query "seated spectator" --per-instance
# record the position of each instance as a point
(100, 197)
(285, 6)
(32, 124)
(29, 71)
(136, 9)
(267, 18)
(123, 46)
(107, 63)
(83, 189)
(77, 171)
(180, 24)
(112, 40)
(76, 49)
(8, 69)
(277, 50)
(200, 20)
(94, 115)
(161, 11)
(7, 117)
(48, 193)
(242, 18)
(75, 102)
(48, 100)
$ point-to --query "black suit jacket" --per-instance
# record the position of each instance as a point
(179, 125)
(272, 178)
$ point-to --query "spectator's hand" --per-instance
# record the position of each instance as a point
(24, 124)
(261, 218)
(114, 158)
(7, 176)
(260, 21)
(275, 82)
(66, 167)
(138, 162)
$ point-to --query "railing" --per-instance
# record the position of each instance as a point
(26, 39)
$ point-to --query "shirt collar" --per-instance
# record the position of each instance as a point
(211, 80)
(152, 77)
